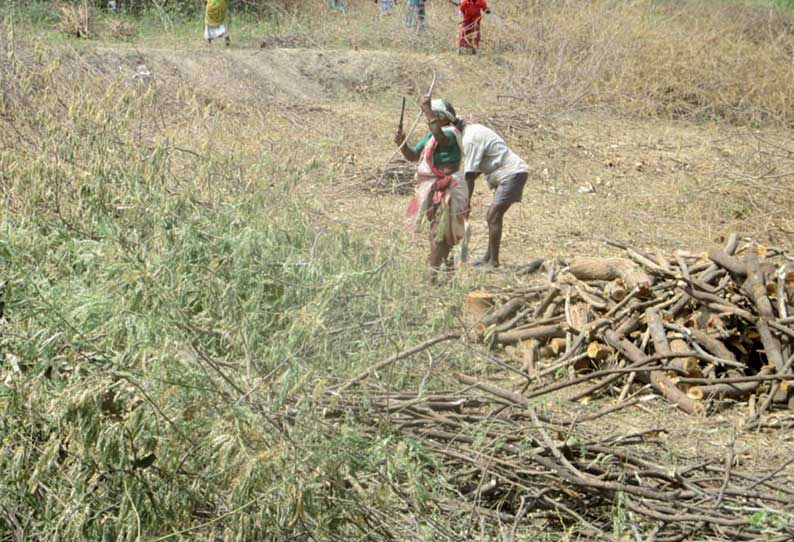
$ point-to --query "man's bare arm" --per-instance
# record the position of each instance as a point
(470, 178)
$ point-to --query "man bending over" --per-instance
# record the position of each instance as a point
(485, 152)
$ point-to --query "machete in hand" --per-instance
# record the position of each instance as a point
(402, 115)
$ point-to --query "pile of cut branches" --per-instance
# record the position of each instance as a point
(693, 327)
(518, 468)
(513, 126)
(696, 328)
(397, 178)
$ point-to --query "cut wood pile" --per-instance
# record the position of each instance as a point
(695, 328)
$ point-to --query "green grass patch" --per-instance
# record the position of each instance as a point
(784, 4)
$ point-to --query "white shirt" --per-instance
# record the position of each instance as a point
(485, 152)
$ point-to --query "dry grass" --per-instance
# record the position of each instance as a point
(77, 19)
(122, 30)
(693, 59)
(736, 69)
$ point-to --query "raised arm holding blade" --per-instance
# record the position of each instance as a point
(441, 196)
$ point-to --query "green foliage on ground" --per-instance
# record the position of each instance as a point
(785, 4)
(171, 318)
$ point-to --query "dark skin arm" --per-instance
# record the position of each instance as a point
(407, 150)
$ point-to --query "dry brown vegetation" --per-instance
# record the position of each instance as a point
(690, 60)
(77, 19)
(693, 59)
(122, 30)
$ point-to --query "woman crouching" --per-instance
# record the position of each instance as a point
(441, 191)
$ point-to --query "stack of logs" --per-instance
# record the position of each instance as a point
(693, 327)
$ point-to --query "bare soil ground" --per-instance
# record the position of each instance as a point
(594, 175)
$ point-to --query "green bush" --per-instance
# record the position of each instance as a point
(171, 317)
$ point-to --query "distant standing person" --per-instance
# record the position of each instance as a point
(484, 151)
(338, 5)
(469, 31)
(415, 15)
(385, 6)
(215, 21)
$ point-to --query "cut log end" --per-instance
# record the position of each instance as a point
(558, 345)
(695, 393)
(598, 351)
(616, 290)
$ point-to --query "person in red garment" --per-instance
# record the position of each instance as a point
(469, 32)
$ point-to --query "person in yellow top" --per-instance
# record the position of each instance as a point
(215, 21)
